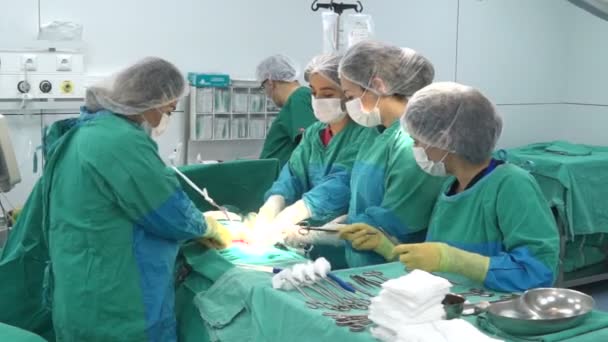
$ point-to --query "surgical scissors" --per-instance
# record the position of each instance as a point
(356, 323)
(477, 293)
(314, 303)
(305, 229)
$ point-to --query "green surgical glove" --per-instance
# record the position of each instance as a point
(440, 257)
(364, 237)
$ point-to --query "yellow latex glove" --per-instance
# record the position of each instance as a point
(364, 237)
(13, 215)
(440, 257)
(216, 236)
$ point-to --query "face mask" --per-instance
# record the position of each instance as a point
(359, 115)
(328, 110)
(433, 168)
(162, 126)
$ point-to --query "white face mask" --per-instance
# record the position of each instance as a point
(431, 167)
(328, 110)
(162, 126)
(355, 109)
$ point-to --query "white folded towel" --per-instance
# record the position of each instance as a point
(455, 330)
(408, 307)
(390, 317)
(418, 286)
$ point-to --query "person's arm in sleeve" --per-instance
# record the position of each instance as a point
(291, 183)
(531, 239)
(329, 199)
(408, 200)
(150, 193)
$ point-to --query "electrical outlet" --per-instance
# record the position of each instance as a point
(64, 62)
(29, 62)
(67, 87)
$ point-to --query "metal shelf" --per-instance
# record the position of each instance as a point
(240, 112)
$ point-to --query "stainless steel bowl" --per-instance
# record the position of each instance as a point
(453, 305)
(541, 311)
(551, 303)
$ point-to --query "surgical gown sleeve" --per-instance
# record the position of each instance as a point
(407, 200)
(147, 191)
(530, 238)
(329, 198)
(293, 179)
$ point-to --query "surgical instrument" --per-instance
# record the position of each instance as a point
(375, 274)
(202, 192)
(348, 302)
(305, 229)
(314, 303)
(276, 270)
(477, 293)
(356, 323)
(359, 302)
(365, 282)
(360, 290)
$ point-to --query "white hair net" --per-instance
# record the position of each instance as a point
(325, 65)
(277, 68)
(455, 118)
(403, 71)
(149, 83)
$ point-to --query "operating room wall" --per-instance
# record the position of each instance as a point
(587, 82)
(511, 49)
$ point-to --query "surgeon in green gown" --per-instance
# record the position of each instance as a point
(391, 199)
(115, 214)
(491, 222)
(278, 75)
(313, 184)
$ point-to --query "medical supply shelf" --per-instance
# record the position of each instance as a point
(239, 112)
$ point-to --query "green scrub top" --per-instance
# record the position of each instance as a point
(504, 217)
(291, 122)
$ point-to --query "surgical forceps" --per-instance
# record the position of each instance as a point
(477, 293)
(356, 323)
(202, 193)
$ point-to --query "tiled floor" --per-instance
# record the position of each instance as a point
(599, 292)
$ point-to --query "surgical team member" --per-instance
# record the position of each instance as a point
(314, 183)
(116, 214)
(279, 77)
(388, 189)
(491, 221)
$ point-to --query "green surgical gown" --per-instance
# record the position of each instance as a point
(319, 174)
(114, 218)
(289, 125)
(505, 217)
(389, 190)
